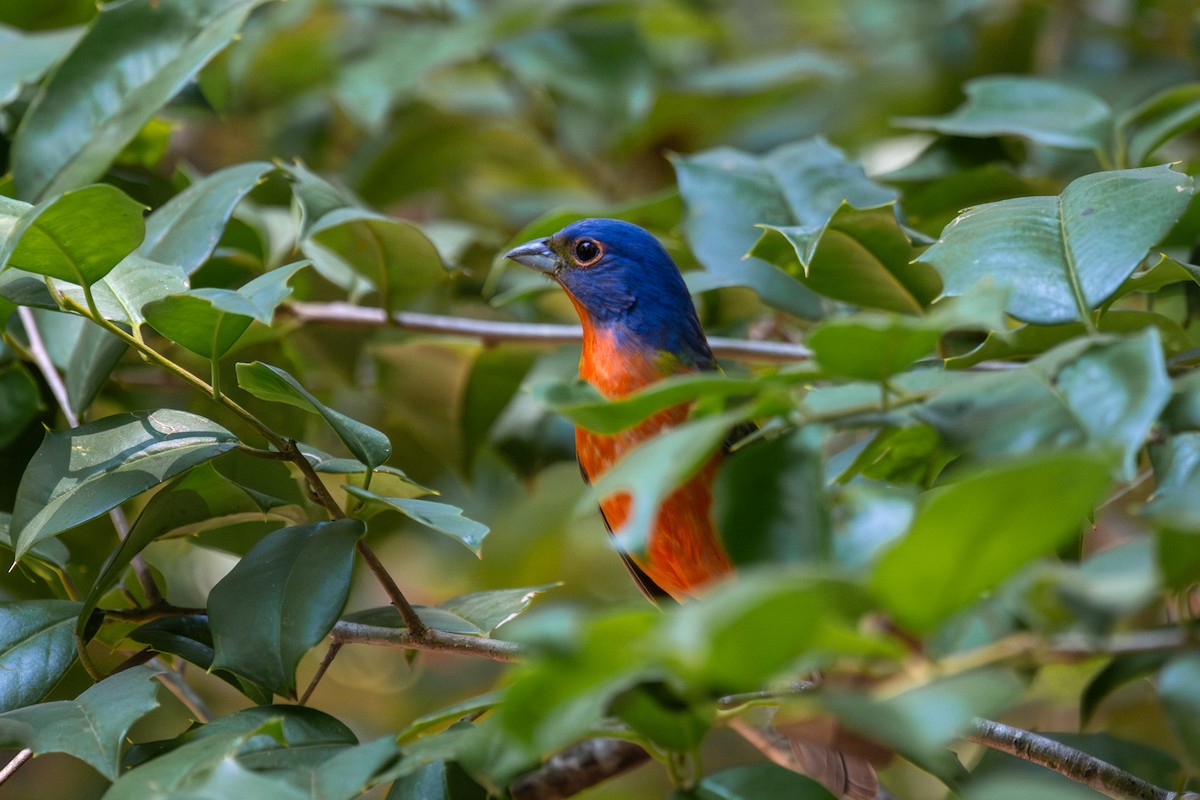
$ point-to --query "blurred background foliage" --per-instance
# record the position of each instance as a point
(484, 123)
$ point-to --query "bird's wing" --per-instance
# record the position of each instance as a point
(654, 593)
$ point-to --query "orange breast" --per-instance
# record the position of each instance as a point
(683, 552)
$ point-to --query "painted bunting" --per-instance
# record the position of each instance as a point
(639, 327)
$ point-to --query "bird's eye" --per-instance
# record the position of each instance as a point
(587, 251)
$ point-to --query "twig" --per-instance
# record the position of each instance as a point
(435, 640)
(330, 655)
(1069, 762)
(176, 685)
(15, 764)
(580, 766)
(417, 629)
(498, 330)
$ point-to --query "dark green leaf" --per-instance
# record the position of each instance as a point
(20, 401)
(132, 60)
(200, 496)
(1043, 111)
(969, 536)
(36, 648)
(93, 357)
(190, 638)
(771, 498)
(656, 712)
(1094, 235)
(753, 782)
(273, 384)
(78, 236)
(438, 781)
(92, 727)
(206, 321)
(281, 600)
(1123, 669)
(350, 772)
(79, 474)
(441, 517)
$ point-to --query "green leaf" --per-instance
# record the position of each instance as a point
(489, 610)
(36, 648)
(728, 192)
(655, 711)
(921, 722)
(1060, 257)
(281, 599)
(859, 256)
(755, 781)
(79, 474)
(133, 58)
(439, 780)
(1117, 390)
(94, 355)
(870, 347)
(190, 638)
(205, 768)
(199, 496)
(438, 516)
(393, 256)
(354, 770)
(210, 321)
(266, 382)
(20, 401)
(186, 229)
(132, 284)
(78, 236)
(27, 56)
(969, 536)
(1150, 124)
(1176, 463)
(434, 617)
(773, 496)
(1124, 668)
(1043, 111)
(1179, 690)
(451, 713)
(92, 727)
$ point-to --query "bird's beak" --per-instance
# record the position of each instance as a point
(535, 255)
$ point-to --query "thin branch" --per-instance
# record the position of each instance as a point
(579, 767)
(435, 640)
(500, 331)
(173, 680)
(1069, 762)
(417, 629)
(330, 655)
(15, 764)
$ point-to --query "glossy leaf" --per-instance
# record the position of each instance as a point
(871, 348)
(186, 229)
(393, 256)
(439, 780)
(200, 495)
(133, 58)
(451, 713)
(1043, 111)
(728, 192)
(28, 55)
(80, 473)
(972, 534)
(856, 256)
(1176, 463)
(266, 382)
(36, 648)
(436, 515)
(489, 610)
(281, 599)
(78, 236)
(1060, 257)
(92, 727)
(190, 638)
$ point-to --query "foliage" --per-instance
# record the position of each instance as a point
(977, 497)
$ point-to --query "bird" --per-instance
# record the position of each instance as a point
(640, 327)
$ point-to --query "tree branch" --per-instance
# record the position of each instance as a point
(492, 331)
(579, 767)
(435, 640)
(15, 764)
(1069, 762)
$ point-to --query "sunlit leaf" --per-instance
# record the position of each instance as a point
(439, 516)
(80, 473)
